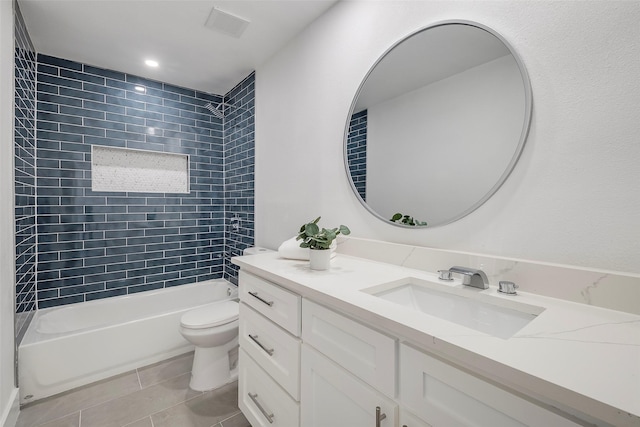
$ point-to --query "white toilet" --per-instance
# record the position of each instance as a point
(213, 329)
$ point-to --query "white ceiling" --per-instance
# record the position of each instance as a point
(120, 34)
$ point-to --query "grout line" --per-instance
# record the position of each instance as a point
(138, 376)
(175, 405)
(141, 419)
(228, 418)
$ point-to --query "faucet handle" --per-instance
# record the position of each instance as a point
(508, 288)
(445, 275)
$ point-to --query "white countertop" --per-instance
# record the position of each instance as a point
(583, 358)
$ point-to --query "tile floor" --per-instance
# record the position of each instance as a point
(154, 396)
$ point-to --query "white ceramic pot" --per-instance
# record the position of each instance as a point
(319, 259)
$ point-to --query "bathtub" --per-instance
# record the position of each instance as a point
(73, 345)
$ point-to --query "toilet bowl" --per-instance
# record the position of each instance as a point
(213, 330)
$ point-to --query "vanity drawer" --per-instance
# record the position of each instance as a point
(366, 353)
(261, 399)
(442, 394)
(274, 302)
(276, 351)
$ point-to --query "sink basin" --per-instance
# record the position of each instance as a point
(485, 313)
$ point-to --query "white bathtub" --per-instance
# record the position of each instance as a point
(73, 345)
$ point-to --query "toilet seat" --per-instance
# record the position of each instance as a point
(210, 315)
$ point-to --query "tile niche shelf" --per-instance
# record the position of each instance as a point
(129, 170)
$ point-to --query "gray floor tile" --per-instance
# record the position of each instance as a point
(145, 422)
(203, 411)
(72, 420)
(74, 400)
(137, 405)
(236, 421)
(120, 401)
(164, 370)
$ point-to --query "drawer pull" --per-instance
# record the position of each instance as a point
(255, 295)
(379, 416)
(254, 338)
(269, 417)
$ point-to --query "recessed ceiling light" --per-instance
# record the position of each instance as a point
(140, 88)
(151, 63)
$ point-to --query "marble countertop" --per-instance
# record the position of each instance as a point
(583, 359)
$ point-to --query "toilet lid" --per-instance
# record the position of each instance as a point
(214, 314)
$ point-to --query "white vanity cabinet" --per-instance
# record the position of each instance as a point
(269, 365)
(303, 364)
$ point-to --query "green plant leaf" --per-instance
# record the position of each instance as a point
(345, 230)
(330, 235)
(311, 229)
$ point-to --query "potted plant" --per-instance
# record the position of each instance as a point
(319, 242)
(407, 220)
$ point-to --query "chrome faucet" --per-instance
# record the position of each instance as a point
(472, 277)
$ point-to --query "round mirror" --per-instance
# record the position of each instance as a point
(437, 125)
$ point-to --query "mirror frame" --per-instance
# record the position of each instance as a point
(519, 148)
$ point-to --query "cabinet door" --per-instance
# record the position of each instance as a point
(330, 396)
(368, 354)
(445, 396)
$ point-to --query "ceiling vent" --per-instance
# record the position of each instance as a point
(226, 23)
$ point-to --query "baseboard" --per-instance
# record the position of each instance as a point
(10, 414)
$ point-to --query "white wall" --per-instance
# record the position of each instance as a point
(573, 198)
(449, 141)
(7, 276)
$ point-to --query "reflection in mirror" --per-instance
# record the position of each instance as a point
(437, 125)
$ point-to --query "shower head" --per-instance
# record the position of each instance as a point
(218, 113)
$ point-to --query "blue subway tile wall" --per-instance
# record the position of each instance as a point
(100, 244)
(239, 154)
(25, 174)
(357, 152)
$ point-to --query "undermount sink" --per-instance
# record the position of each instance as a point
(485, 313)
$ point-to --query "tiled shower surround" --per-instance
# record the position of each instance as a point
(25, 179)
(239, 144)
(100, 244)
(357, 152)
